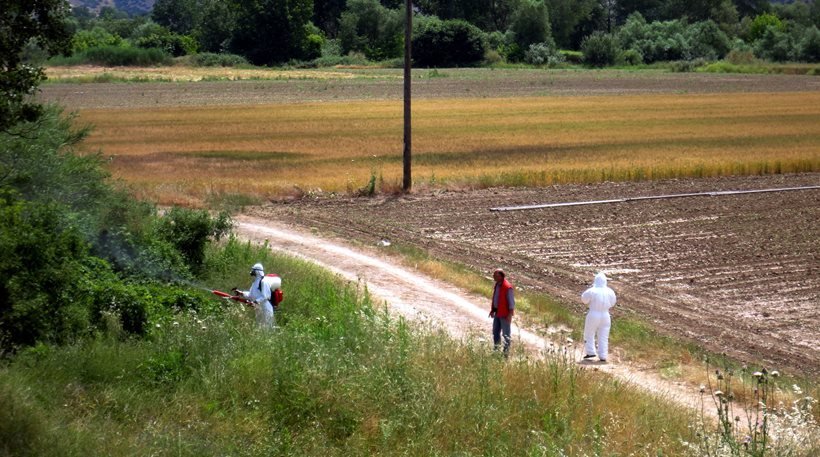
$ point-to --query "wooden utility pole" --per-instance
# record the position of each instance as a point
(408, 35)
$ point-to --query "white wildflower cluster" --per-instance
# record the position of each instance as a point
(795, 431)
(768, 430)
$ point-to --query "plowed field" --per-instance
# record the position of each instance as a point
(736, 274)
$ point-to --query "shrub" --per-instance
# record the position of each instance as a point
(686, 66)
(114, 56)
(544, 53)
(210, 59)
(775, 45)
(97, 37)
(41, 262)
(530, 24)
(368, 27)
(575, 57)
(763, 22)
(600, 49)
(171, 43)
(493, 57)
(631, 57)
(448, 43)
(808, 48)
(189, 231)
(706, 40)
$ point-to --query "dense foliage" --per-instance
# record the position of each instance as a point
(76, 249)
(330, 32)
(23, 23)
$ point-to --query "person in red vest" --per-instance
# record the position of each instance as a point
(502, 310)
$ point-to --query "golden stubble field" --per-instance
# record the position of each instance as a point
(191, 155)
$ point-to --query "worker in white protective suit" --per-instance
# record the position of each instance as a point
(260, 294)
(600, 298)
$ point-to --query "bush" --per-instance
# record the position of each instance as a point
(600, 49)
(41, 263)
(76, 249)
(448, 43)
(189, 231)
(707, 41)
(544, 54)
(775, 45)
(171, 43)
(529, 25)
(686, 66)
(97, 37)
(631, 57)
(370, 28)
(210, 59)
(113, 56)
(808, 48)
(763, 22)
(575, 57)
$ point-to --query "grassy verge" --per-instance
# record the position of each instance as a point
(338, 377)
(761, 68)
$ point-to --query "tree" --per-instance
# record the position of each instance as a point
(530, 24)
(179, 16)
(326, 14)
(273, 31)
(368, 27)
(217, 25)
(600, 49)
(43, 22)
(438, 43)
(565, 16)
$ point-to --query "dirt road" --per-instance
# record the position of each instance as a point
(463, 315)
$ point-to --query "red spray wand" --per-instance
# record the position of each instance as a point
(238, 298)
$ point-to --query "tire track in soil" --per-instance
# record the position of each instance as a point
(461, 314)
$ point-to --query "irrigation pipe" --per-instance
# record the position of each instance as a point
(652, 197)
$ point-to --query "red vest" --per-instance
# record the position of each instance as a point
(503, 307)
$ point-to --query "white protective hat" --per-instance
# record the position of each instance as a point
(257, 270)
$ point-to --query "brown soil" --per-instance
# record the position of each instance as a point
(471, 83)
(734, 274)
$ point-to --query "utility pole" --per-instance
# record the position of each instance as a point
(408, 35)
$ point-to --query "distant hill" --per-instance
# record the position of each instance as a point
(128, 6)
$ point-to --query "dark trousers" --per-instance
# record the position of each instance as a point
(501, 325)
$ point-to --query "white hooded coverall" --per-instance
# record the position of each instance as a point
(259, 295)
(600, 298)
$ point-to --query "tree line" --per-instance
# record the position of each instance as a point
(459, 32)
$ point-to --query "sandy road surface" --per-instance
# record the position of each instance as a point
(463, 315)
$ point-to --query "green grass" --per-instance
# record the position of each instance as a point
(760, 68)
(339, 377)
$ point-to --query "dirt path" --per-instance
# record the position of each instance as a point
(462, 314)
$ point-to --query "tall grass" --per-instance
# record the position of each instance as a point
(338, 377)
(184, 155)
